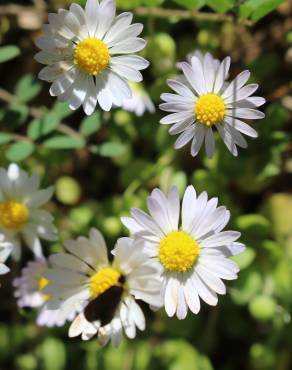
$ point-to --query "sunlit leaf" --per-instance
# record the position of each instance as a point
(19, 151)
(64, 142)
(8, 52)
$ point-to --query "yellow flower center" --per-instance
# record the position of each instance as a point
(13, 215)
(210, 109)
(103, 280)
(178, 251)
(43, 282)
(92, 56)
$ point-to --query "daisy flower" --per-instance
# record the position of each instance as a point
(21, 216)
(192, 253)
(5, 251)
(140, 102)
(29, 293)
(86, 55)
(108, 291)
(207, 101)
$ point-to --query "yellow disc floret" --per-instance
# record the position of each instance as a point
(92, 56)
(13, 215)
(43, 282)
(103, 280)
(210, 109)
(178, 251)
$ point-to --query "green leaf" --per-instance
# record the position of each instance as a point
(8, 52)
(152, 2)
(64, 142)
(15, 115)
(5, 138)
(62, 110)
(112, 149)
(19, 151)
(190, 4)
(43, 126)
(220, 6)
(90, 124)
(27, 88)
(256, 9)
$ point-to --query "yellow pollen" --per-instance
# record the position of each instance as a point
(178, 251)
(103, 280)
(92, 56)
(209, 109)
(13, 215)
(43, 282)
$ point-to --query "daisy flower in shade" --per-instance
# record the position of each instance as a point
(140, 102)
(192, 252)
(207, 101)
(5, 251)
(21, 216)
(86, 55)
(107, 290)
(29, 293)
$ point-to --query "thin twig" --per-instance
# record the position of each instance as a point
(189, 14)
(150, 11)
(38, 113)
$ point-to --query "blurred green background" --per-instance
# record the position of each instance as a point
(105, 164)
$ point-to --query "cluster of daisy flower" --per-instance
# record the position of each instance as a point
(89, 60)
(174, 257)
(177, 255)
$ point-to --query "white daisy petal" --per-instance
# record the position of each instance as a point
(236, 84)
(246, 113)
(198, 139)
(182, 308)
(191, 296)
(107, 11)
(171, 296)
(241, 126)
(242, 93)
(223, 238)
(181, 89)
(209, 143)
(205, 293)
(222, 74)
(185, 137)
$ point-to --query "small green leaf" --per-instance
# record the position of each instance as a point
(220, 6)
(15, 115)
(5, 138)
(257, 9)
(90, 124)
(190, 4)
(64, 142)
(43, 126)
(61, 110)
(8, 52)
(112, 149)
(27, 88)
(19, 151)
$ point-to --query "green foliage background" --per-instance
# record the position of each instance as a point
(109, 162)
